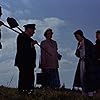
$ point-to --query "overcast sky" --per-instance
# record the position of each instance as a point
(63, 16)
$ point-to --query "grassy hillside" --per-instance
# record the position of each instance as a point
(43, 94)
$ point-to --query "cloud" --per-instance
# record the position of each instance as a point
(54, 22)
(4, 4)
(9, 43)
(61, 17)
(42, 25)
(9, 37)
(7, 73)
(68, 55)
(5, 14)
(68, 51)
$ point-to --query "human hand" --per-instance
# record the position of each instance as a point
(34, 42)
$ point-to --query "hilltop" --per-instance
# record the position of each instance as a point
(7, 93)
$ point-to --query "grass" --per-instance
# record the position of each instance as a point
(43, 94)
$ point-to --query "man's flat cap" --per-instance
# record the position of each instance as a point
(29, 26)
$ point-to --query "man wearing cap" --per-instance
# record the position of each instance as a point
(26, 59)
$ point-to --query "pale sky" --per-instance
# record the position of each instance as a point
(63, 16)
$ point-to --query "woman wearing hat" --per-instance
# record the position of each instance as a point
(49, 62)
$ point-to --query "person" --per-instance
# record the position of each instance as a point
(84, 77)
(0, 28)
(25, 59)
(49, 61)
(97, 62)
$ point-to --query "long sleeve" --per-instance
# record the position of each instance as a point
(43, 57)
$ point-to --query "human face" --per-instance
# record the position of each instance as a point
(78, 37)
(49, 35)
(98, 36)
(31, 32)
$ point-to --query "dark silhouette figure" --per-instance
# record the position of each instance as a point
(97, 60)
(26, 58)
(84, 76)
(0, 29)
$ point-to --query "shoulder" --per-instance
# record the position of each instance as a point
(21, 35)
(88, 41)
(54, 42)
(43, 42)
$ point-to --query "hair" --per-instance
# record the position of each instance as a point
(80, 32)
(45, 33)
(98, 32)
